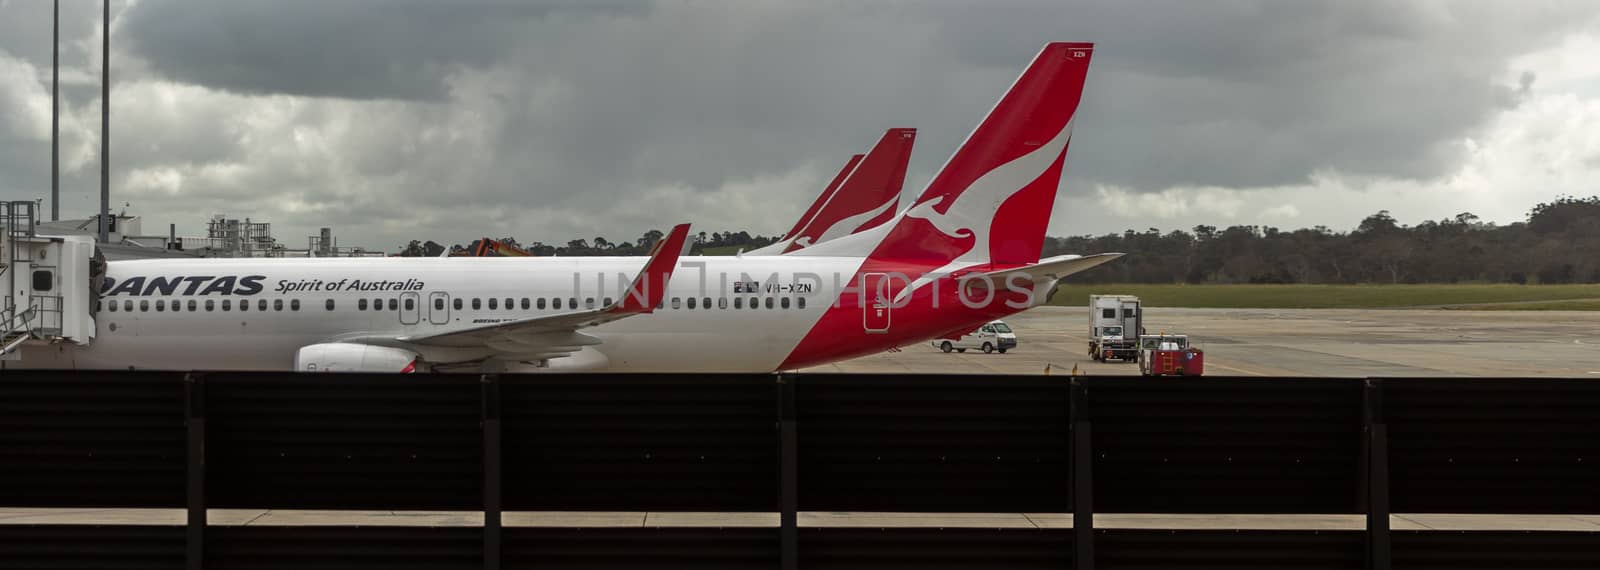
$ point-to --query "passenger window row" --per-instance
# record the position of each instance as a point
(493, 303)
(209, 305)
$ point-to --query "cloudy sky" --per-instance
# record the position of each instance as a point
(436, 119)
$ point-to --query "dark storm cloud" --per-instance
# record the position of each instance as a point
(362, 49)
(547, 121)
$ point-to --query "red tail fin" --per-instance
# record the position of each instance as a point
(867, 197)
(827, 193)
(992, 200)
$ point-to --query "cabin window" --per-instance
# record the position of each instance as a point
(588, 302)
(261, 305)
(691, 302)
(177, 305)
(361, 304)
(494, 303)
(193, 305)
(677, 303)
(526, 304)
(144, 306)
(539, 303)
(294, 305)
(457, 303)
(572, 302)
(555, 303)
(329, 304)
(438, 304)
(411, 304)
(377, 304)
(227, 305)
(244, 305)
(800, 302)
(161, 305)
(112, 306)
(394, 305)
(608, 301)
(277, 304)
(785, 302)
(769, 302)
(477, 303)
(722, 302)
(738, 302)
(127, 306)
(510, 303)
(211, 305)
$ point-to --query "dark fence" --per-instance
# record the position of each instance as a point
(787, 443)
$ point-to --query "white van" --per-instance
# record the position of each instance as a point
(993, 336)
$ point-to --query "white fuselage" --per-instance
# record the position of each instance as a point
(446, 294)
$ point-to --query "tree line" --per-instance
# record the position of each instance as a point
(702, 242)
(1559, 242)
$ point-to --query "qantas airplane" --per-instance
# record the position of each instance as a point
(965, 252)
(863, 196)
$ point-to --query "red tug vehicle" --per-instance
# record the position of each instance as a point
(1169, 355)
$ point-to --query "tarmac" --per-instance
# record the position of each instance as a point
(1361, 343)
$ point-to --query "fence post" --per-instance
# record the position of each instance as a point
(788, 472)
(1082, 479)
(491, 471)
(1377, 476)
(194, 395)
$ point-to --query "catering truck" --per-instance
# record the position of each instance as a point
(1115, 323)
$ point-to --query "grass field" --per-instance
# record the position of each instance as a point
(1469, 296)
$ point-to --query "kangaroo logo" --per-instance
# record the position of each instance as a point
(964, 213)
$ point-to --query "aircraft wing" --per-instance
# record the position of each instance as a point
(1045, 275)
(557, 335)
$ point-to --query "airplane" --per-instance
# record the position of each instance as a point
(967, 251)
(862, 196)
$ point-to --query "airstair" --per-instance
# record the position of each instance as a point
(50, 284)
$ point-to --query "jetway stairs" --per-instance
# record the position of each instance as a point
(51, 283)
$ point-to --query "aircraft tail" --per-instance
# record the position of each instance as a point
(827, 194)
(991, 201)
(868, 196)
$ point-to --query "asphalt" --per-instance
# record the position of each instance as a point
(1293, 342)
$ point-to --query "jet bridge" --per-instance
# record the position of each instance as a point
(51, 284)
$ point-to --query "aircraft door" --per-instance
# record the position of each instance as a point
(439, 307)
(876, 302)
(410, 311)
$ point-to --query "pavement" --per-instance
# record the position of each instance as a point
(261, 517)
(1292, 342)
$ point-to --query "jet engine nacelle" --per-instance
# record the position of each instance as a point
(351, 357)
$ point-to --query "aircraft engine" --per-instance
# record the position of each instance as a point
(351, 357)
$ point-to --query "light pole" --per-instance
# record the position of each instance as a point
(105, 124)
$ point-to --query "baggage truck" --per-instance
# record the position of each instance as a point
(1170, 355)
(1115, 323)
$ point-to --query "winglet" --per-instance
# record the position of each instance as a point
(650, 287)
